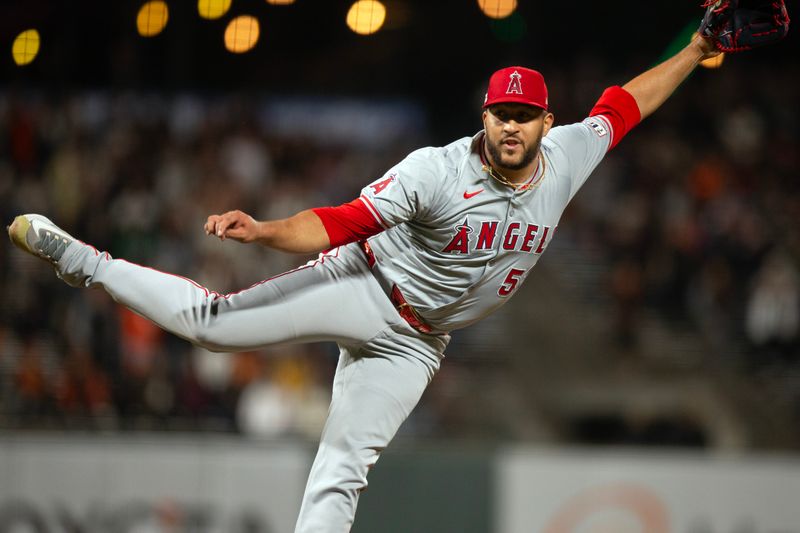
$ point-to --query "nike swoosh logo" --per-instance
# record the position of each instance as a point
(468, 195)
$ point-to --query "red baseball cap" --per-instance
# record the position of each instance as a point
(518, 85)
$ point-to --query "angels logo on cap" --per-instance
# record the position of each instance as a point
(518, 85)
(514, 86)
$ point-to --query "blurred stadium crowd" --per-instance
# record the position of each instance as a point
(137, 176)
(695, 216)
(698, 215)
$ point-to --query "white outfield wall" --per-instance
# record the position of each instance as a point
(140, 484)
(204, 484)
(631, 492)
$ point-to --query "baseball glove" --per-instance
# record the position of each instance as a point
(738, 25)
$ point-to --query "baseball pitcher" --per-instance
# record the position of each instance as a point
(441, 240)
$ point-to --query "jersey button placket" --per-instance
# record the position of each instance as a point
(512, 204)
(509, 208)
(508, 219)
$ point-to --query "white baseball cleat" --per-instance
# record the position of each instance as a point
(38, 235)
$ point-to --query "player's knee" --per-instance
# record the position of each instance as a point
(199, 333)
(345, 475)
(355, 458)
(197, 323)
(203, 338)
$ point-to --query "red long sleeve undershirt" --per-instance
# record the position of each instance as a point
(353, 221)
(620, 109)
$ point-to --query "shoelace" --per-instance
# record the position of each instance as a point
(52, 246)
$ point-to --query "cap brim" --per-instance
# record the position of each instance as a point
(514, 100)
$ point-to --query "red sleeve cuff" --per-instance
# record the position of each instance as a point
(349, 222)
(619, 108)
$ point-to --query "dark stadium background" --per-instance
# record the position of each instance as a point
(438, 52)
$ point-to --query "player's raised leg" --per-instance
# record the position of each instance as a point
(298, 306)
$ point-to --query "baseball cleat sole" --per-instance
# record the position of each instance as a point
(17, 232)
(38, 236)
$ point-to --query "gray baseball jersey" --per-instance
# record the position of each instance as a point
(459, 243)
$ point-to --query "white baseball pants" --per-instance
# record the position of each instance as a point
(384, 364)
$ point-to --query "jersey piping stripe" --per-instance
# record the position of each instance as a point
(96, 251)
(333, 254)
(619, 108)
(374, 212)
(108, 258)
(205, 290)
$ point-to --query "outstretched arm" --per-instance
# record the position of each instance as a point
(310, 231)
(653, 87)
(301, 233)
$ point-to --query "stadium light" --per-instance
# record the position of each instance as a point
(280, 2)
(152, 18)
(497, 9)
(242, 33)
(25, 47)
(365, 17)
(213, 9)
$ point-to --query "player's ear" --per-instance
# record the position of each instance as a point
(549, 119)
(483, 117)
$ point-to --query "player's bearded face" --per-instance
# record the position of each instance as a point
(504, 152)
(513, 134)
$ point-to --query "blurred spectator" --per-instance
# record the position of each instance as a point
(287, 397)
(626, 287)
(773, 310)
